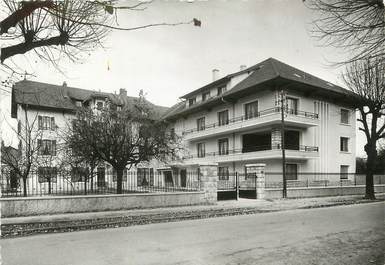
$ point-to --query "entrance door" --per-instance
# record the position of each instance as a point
(183, 177)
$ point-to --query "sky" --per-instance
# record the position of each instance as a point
(167, 62)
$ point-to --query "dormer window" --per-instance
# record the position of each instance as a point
(221, 90)
(99, 105)
(192, 101)
(205, 96)
(78, 103)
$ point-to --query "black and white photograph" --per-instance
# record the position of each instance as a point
(192, 132)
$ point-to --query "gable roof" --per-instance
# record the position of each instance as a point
(268, 73)
(43, 95)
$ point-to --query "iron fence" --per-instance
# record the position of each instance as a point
(65, 183)
(275, 179)
(229, 181)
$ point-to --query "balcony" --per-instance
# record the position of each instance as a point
(255, 153)
(301, 119)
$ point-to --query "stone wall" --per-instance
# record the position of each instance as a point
(320, 191)
(94, 203)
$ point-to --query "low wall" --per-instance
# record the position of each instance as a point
(321, 191)
(93, 203)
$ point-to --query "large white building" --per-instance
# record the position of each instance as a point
(236, 120)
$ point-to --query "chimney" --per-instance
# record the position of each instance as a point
(215, 74)
(64, 84)
(123, 92)
(242, 67)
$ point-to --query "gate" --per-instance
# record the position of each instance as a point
(235, 185)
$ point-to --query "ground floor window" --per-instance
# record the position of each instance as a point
(344, 172)
(145, 176)
(79, 174)
(101, 177)
(223, 173)
(291, 172)
(47, 174)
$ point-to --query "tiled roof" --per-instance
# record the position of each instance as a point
(262, 73)
(63, 97)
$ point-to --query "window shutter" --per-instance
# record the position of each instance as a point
(52, 123)
(40, 122)
(53, 147)
(39, 147)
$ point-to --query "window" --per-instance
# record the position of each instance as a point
(145, 176)
(344, 144)
(221, 90)
(292, 105)
(344, 172)
(223, 117)
(101, 177)
(47, 174)
(78, 103)
(223, 173)
(46, 147)
(345, 116)
(191, 101)
(99, 105)
(172, 133)
(201, 149)
(205, 96)
(251, 110)
(201, 124)
(223, 146)
(115, 175)
(46, 123)
(291, 171)
(79, 174)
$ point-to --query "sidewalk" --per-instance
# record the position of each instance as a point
(223, 206)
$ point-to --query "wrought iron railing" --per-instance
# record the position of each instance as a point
(259, 114)
(248, 149)
(63, 183)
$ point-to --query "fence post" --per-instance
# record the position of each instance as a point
(209, 181)
(259, 171)
(237, 184)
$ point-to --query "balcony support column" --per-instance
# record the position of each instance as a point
(209, 181)
(259, 171)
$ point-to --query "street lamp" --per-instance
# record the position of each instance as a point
(282, 95)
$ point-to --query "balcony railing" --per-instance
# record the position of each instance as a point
(262, 113)
(248, 149)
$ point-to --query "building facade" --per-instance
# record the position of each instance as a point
(44, 113)
(236, 120)
(233, 121)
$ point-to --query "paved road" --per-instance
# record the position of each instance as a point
(351, 235)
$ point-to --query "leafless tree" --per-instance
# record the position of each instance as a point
(367, 79)
(57, 29)
(26, 158)
(122, 138)
(355, 26)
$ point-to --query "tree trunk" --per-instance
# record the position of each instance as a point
(370, 167)
(119, 180)
(85, 185)
(25, 186)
